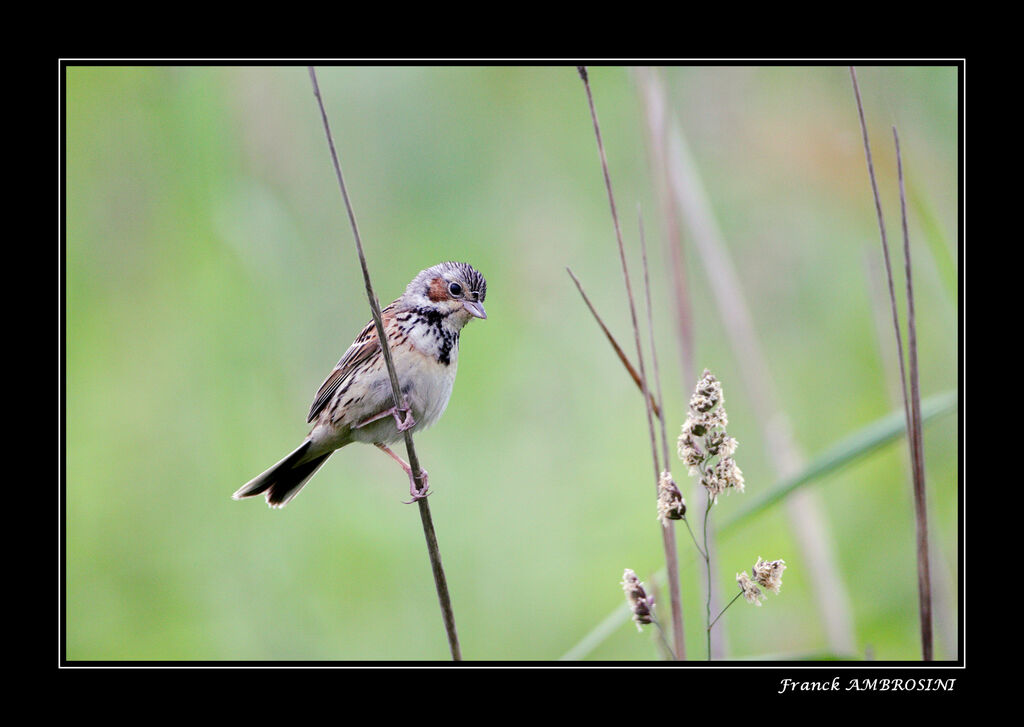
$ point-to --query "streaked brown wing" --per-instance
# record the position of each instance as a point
(365, 345)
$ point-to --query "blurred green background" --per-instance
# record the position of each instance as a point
(212, 283)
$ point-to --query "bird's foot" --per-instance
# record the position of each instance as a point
(417, 493)
(403, 418)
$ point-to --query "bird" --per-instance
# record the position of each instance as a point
(356, 401)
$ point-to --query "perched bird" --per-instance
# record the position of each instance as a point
(356, 403)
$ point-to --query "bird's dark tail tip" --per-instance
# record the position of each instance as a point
(283, 481)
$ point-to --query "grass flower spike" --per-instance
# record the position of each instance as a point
(749, 588)
(704, 439)
(671, 505)
(768, 573)
(640, 604)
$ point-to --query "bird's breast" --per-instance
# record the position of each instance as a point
(427, 383)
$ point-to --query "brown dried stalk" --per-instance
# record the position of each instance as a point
(656, 116)
(615, 344)
(916, 438)
(911, 399)
(650, 330)
(440, 582)
(810, 524)
(667, 533)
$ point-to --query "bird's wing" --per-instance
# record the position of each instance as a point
(362, 350)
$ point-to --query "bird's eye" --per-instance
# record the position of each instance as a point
(455, 289)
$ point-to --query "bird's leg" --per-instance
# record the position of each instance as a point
(403, 418)
(417, 494)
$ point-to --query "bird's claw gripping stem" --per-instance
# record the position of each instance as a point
(403, 418)
(417, 493)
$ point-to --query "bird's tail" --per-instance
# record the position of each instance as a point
(283, 481)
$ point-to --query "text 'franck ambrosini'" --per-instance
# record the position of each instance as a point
(867, 685)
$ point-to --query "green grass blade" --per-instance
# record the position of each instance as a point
(856, 445)
(860, 443)
(598, 634)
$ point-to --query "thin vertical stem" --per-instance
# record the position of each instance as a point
(943, 589)
(672, 566)
(654, 348)
(667, 534)
(924, 595)
(707, 562)
(885, 249)
(657, 136)
(916, 439)
(807, 517)
(440, 582)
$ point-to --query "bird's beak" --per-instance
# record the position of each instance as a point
(475, 308)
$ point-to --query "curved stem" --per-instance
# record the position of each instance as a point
(694, 537)
(724, 610)
(440, 582)
(667, 534)
(664, 641)
(911, 410)
(707, 563)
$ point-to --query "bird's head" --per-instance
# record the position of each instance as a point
(455, 290)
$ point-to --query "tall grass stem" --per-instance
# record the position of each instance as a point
(440, 582)
(920, 511)
(667, 533)
(807, 517)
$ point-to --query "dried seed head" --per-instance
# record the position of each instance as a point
(721, 444)
(750, 590)
(706, 396)
(706, 419)
(769, 573)
(671, 505)
(640, 604)
(708, 391)
(712, 483)
(704, 438)
(727, 472)
(689, 451)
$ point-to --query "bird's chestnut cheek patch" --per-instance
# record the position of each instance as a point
(437, 291)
